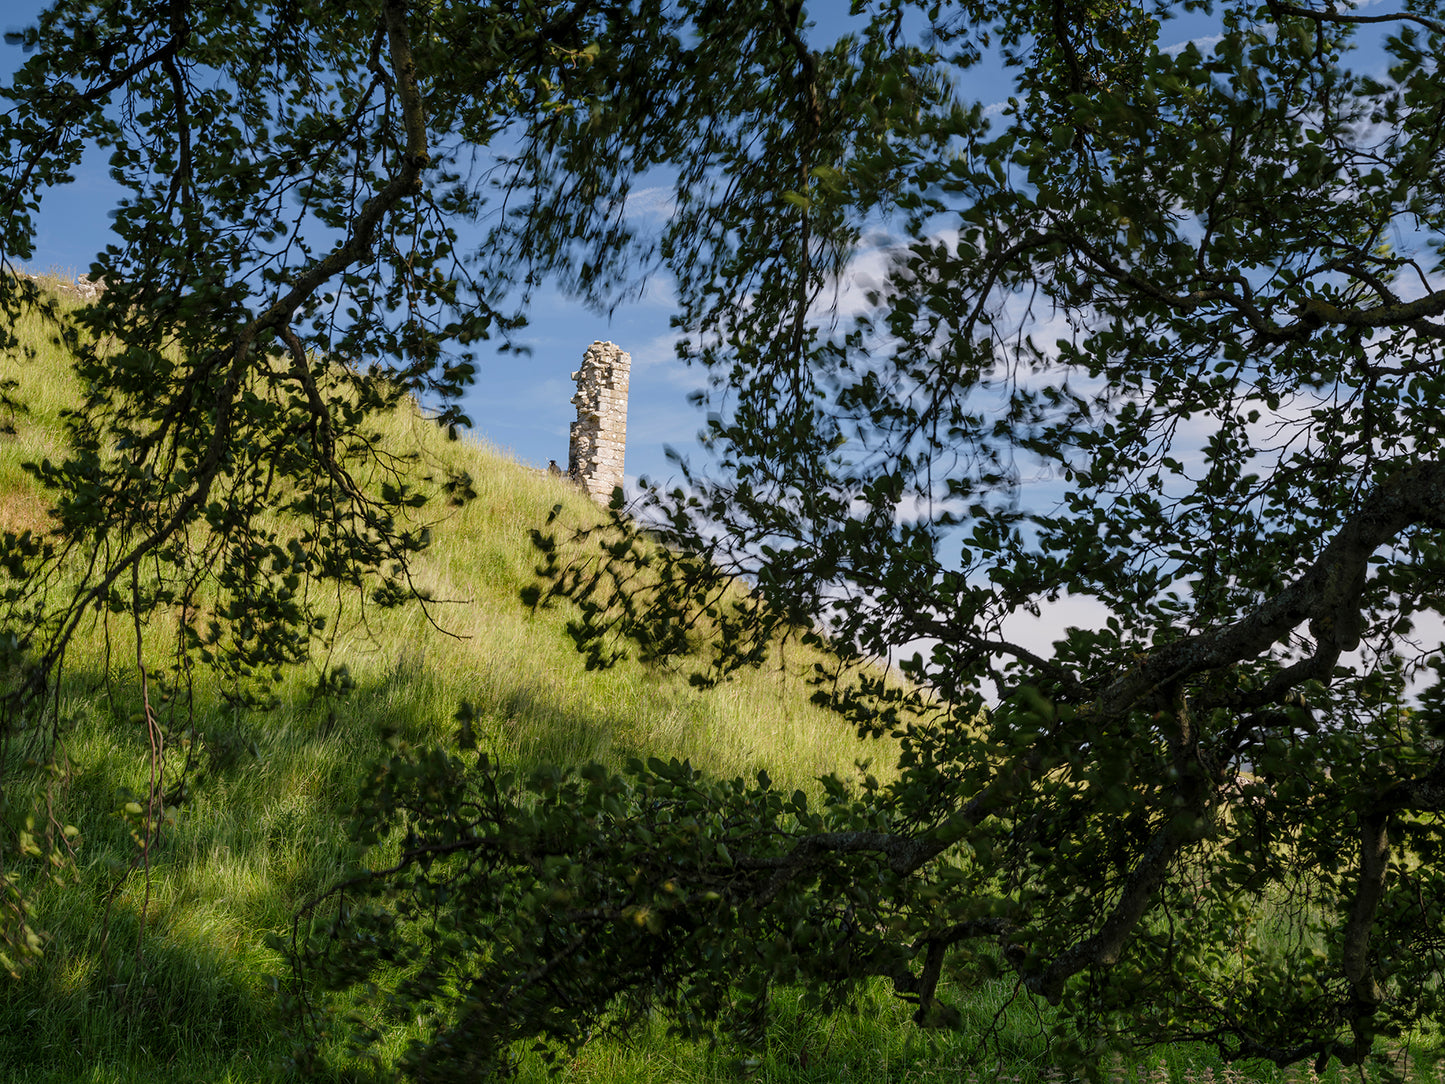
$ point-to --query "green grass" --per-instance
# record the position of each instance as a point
(165, 975)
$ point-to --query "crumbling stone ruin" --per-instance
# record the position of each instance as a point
(599, 435)
(86, 288)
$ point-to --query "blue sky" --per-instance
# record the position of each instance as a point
(520, 404)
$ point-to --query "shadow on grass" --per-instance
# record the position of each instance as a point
(165, 974)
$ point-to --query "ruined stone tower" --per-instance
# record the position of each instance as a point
(599, 435)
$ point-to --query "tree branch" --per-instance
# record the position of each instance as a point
(166, 53)
(354, 248)
(1327, 595)
(1333, 16)
(1374, 860)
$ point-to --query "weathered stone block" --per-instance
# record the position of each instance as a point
(599, 435)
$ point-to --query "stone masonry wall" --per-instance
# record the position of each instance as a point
(599, 435)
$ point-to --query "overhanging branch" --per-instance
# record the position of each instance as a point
(1327, 595)
(1333, 16)
(242, 351)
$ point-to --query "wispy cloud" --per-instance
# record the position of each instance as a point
(655, 202)
(1204, 44)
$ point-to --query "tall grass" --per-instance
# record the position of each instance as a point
(163, 974)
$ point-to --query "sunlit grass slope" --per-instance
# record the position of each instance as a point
(164, 975)
(167, 976)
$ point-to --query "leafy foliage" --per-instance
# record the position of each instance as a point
(578, 903)
(1167, 344)
(1190, 295)
(279, 275)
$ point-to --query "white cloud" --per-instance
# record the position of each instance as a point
(655, 202)
(1204, 44)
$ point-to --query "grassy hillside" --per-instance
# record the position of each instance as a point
(164, 975)
(167, 976)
